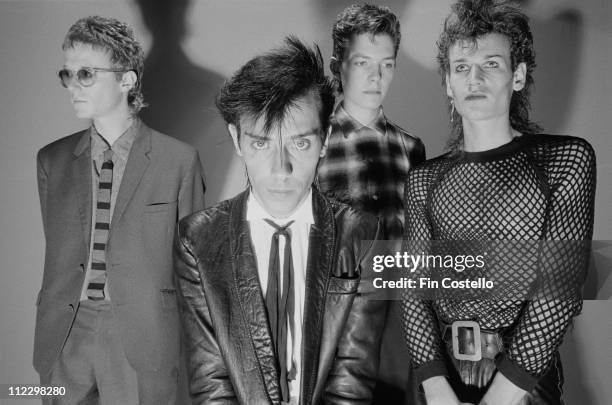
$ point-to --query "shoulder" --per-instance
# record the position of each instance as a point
(410, 141)
(63, 145)
(360, 224)
(560, 150)
(432, 167)
(210, 221)
(170, 146)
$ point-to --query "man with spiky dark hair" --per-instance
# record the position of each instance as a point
(107, 323)
(272, 282)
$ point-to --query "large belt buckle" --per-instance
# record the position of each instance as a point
(477, 354)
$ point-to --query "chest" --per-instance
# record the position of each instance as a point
(505, 199)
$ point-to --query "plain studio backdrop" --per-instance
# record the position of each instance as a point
(192, 46)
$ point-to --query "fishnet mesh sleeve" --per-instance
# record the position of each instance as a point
(570, 166)
(419, 321)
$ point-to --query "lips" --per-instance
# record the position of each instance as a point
(280, 190)
(475, 97)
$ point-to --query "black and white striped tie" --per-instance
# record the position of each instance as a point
(95, 288)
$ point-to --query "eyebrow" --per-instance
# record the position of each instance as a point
(310, 132)
(494, 55)
(360, 55)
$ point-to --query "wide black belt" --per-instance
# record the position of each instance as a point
(468, 341)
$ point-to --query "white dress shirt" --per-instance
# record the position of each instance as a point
(261, 237)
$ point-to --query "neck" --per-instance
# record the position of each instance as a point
(485, 135)
(112, 127)
(364, 116)
(279, 214)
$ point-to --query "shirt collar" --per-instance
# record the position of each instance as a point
(303, 214)
(121, 147)
(350, 124)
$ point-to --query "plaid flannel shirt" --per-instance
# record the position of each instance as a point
(366, 167)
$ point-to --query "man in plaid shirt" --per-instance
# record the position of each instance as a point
(368, 157)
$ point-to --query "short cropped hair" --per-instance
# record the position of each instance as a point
(270, 84)
(361, 19)
(118, 40)
(472, 19)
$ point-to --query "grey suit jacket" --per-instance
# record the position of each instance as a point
(162, 183)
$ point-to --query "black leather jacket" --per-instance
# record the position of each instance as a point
(229, 348)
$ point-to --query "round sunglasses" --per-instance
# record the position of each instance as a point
(85, 76)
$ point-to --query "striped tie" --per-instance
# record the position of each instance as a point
(95, 288)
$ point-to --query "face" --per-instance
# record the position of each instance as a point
(367, 70)
(281, 163)
(107, 95)
(481, 80)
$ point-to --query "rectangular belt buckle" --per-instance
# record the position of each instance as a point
(477, 354)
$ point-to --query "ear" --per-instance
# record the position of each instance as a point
(449, 91)
(334, 66)
(519, 77)
(324, 147)
(128, 81)
(234, 134)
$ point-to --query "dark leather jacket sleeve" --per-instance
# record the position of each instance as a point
(208, 376)
(353, 374)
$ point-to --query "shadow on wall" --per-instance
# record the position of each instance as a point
(181, 94)
(558, 44)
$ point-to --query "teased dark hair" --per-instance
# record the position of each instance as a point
(270, 84)
(118, 40)
(472, 19)
(359, 19)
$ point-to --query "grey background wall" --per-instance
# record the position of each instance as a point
(192, 46)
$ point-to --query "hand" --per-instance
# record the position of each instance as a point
(439, 392)
(503, 392)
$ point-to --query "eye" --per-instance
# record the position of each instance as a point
(302, 144)
(85, 74)
(259, 144)
(462, 67)
(359, 63)
(389, 65)
(491, 64)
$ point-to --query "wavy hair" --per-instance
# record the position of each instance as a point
(118, 40)
(472, 19)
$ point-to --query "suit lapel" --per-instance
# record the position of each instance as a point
(137, 164)
(81, 177)
(318, 269)
(252, 305)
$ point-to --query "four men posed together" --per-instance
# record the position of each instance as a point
(272, 286)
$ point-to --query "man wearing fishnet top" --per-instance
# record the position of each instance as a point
(500, 181)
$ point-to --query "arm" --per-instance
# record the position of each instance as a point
(355, 368)
(419, 320)
(42, 189)
(209, 381)
(563, 263)
(191, 193)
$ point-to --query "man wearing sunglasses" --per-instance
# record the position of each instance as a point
(107, 326)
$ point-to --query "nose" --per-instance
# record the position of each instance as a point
(73, 84)
(282, 161)
(475, 75)
(376, 72)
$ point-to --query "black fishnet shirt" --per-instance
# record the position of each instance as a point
(537, 187)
